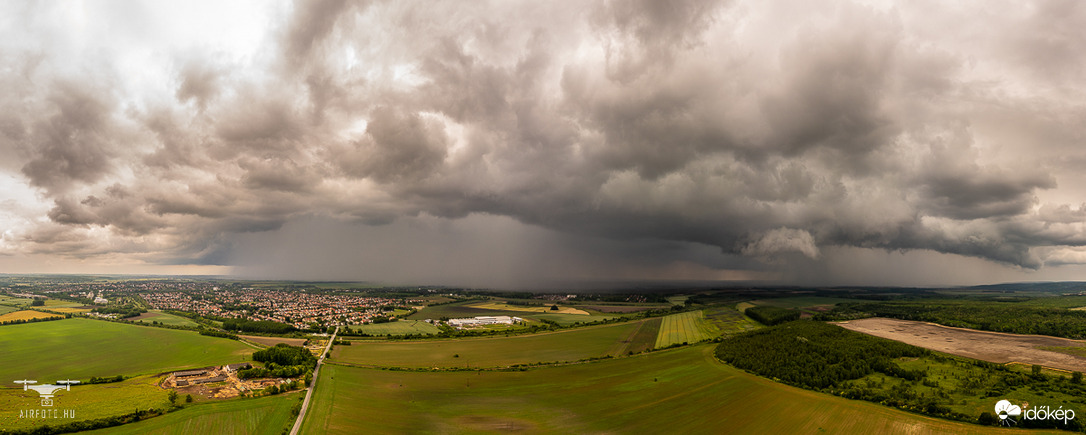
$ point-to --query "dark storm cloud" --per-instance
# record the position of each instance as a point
(74, 141)
(774, 133)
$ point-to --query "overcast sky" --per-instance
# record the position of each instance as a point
(508, 143)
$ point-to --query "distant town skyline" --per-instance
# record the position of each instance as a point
(508, 143)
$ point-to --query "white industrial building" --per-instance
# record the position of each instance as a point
(484, 320)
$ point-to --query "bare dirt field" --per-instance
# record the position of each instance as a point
(988, 346)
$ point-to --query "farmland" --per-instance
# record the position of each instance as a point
(570, 345)
(670, 391)
(163, 318)
(4, 309)
(688, 327)
(729, 321)
(268, 415)
(81, 348)
(490, 308)
(272, 341)
(89, 401)
(500, 306)
(982, 345)
(26, 315)
(827, 358)
(401, 327)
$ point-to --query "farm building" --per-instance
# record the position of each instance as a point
(239, 366)
(190, 373)
(484, 320)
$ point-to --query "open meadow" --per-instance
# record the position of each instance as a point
(489, 308)
(269, 415)
(399, 327)
(674, 391)
(90, 402)
(81, 348)
(163, 318)
(561, 346)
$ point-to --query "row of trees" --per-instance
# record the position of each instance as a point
(261, 326)
(281, 361)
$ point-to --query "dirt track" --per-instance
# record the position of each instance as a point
(988, 346)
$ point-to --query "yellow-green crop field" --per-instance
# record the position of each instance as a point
(688, 327)
(26, 315)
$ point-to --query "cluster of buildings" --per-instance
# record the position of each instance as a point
(291, 307)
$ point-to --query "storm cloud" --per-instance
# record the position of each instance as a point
(700, 140)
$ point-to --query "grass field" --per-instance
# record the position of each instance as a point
(476, 308)
(675, 391)
(81, 348)
(163, 318)
(569, 345)
(4, 309)
(688, 327)
(400, 327)
(57, 303)
(546, 309)
(268, 415)
(26, 315)
(89, 401)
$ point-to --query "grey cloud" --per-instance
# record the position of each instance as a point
(749, 135)
(76, 142)
(201, 82)
(398, 147)
(989, 194)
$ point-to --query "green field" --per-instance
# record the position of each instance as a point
(688, 327)
(728, 320)
(4, 309)
(163, 318)
(675, 391)
(562, 346)
(400, 327)
(11, 300)
(470, 309)
(269, 415)
(57, 303)
(81, 348)
(89, 401)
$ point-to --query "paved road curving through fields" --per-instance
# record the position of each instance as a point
(312, 385)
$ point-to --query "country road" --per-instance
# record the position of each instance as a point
(312, 385)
